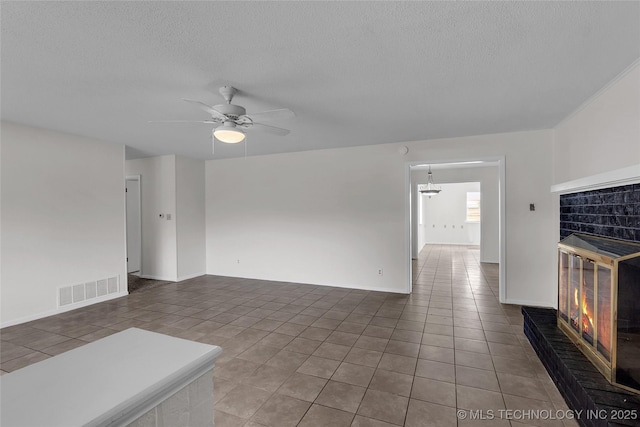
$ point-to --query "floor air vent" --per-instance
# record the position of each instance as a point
(86, 291)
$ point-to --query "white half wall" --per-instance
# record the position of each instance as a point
(157, 197)
(190, 217)
(62, 218)
(335, 217)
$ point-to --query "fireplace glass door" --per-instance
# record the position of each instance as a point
(599, 304)
(587, 300)
(574, 291)
(563, 285)
(604, 312)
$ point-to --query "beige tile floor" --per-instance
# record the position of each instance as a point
(304, 355)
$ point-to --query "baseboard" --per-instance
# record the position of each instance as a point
(149, 276)
(528, 303)
(171, 279)
(65, 309)
(454, 244)
(190, 276)
(332, 285)
(364, 288)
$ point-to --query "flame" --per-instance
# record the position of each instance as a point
(585, 312)
(587, 322)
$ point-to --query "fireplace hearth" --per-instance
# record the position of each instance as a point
(595, 402)
(599, 304)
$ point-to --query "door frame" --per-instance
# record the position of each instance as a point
(138, 179)
(501, 209)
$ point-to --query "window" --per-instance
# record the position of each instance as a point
(473, 206)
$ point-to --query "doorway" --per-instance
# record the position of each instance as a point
(493, 241)
(134, 225)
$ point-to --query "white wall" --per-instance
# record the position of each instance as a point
(602, 136)
(190, 217)
(324, 217)
(444, 217)
(172, 249)
(337, 216)
(599, 145)
(157, 196)
(62, 221)
(490, 213)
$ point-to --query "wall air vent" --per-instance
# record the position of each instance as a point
(102, 287)
(78, 293)
(66, 296)
(74, 294)
(91, 290)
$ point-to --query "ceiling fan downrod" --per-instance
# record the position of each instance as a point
(228, 92)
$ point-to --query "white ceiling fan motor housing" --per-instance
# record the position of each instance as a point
(230, 110)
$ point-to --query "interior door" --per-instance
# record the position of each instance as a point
(134, 235)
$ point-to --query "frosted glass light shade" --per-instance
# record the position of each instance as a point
(228, 134)
(431, 189)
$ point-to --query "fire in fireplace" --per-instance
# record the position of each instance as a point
(599, 304)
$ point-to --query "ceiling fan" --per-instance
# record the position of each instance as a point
(231, 121)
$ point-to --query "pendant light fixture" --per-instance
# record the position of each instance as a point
(430, 188)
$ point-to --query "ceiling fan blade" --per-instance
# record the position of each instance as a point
(268, 129)
(209, 109)
(283, 113)
(185, 121)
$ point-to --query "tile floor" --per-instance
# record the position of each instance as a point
(303, 355)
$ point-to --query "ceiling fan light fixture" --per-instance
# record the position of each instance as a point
(228, 133)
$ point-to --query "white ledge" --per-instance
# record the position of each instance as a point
(111, 381)
(624, 176)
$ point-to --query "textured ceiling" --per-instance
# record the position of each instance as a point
(355, 73)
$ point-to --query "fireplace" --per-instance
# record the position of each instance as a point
(599, 304)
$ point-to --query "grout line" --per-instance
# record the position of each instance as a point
(444, 271)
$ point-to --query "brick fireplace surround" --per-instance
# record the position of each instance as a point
(610, 212)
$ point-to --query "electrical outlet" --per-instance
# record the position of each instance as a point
(168, 217)
(380, 272)
(237, 261)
